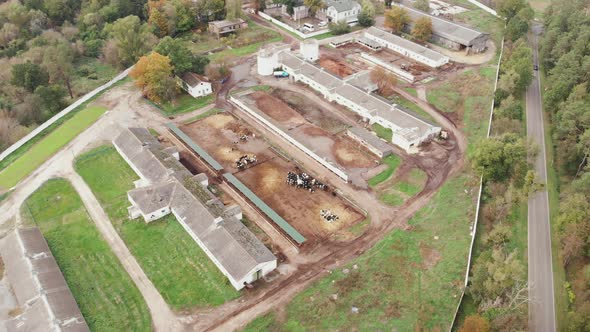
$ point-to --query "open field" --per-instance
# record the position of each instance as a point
(396, 184)
(49, 145)
(339, 149)
(105, 293)
(392, 162)
(267, 177)
(173, 261)
(411, 280)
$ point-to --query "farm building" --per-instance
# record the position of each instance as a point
(370, 141)
(40, 289)
(166, 186)
(406, 48)
(196, 85)
(224, 27)
(409, 130)
(339, 11)
(450, 34)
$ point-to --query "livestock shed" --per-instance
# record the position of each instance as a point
(370, 141)
(406, 48)
(217, 229)
(409, 130)
(39, 287)
(450, 34)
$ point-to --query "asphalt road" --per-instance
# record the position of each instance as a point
(541, 294)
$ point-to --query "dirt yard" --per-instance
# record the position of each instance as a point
(336, 66)
(336, 148)
(220, 136)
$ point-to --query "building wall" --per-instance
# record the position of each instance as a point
(348, 16)
(203, 89)
(369, 147)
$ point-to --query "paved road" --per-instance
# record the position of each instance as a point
(542, 304)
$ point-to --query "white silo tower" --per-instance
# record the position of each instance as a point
(266, 60)
(310, 49)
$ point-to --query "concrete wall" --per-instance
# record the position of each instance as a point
(290, 139)
(406, 76)
(290, 28)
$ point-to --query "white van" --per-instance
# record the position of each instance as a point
(308, 27)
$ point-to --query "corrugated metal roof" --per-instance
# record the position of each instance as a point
(407, 44)
(202, 153)
(282, 223)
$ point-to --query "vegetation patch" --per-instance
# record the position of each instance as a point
(185, 103)
(173, 261)
(48, 146)
(392, 161)
(210, 112)
(106, 295)
(382, 132)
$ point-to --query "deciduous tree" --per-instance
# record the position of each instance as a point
(181, 57)
(385, 81)
(423, 5)
(29, 75)
(132, 38)
(475, 323)
(153, 74)
(422, 29)
(396, 18)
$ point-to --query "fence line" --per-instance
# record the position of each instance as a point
(397, 71)
(62, 113)
(478, 195)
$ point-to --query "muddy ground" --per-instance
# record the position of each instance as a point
(218, 135)
(338, 148)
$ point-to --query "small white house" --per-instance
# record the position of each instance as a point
(340, 10)
(196, 85)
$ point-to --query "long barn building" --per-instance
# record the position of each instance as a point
(450, 34)
(166, 186)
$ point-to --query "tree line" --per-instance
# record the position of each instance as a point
(565, 56)
(49, 49)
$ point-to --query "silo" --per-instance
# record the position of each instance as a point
(266, 62)
(310, 49)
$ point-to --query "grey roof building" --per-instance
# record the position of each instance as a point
(39, 287)
(166, 186)
(450, 34)
(370, 141)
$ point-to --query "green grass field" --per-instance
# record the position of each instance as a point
(407, 282)
(382, 132)
(106, 295)
(173, 261)
(412, 107)
(186, 103)
(393, 161)
(48, 146)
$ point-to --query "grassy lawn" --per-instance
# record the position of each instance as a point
(407, 282)
(49, 145)
(210, 112)
(106, 295)
(412, 107)
(392, 162)
(468, 94)
(173, 261)
(412, 183)
(90, 73)
(186, 103)
(392, 198)
(382, 132)
(411, 91)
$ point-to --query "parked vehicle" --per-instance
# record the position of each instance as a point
(280, 73)
(308, 27)
(322, 24)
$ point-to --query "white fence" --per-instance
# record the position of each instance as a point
(397, 71)
(290, 28)
(289, 139)
(63, 113)
(469, 258)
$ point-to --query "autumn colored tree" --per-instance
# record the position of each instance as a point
(314, 6)
(153, 74)
(475, 323)
(396, 18)
(422, 29)
(385, 81)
